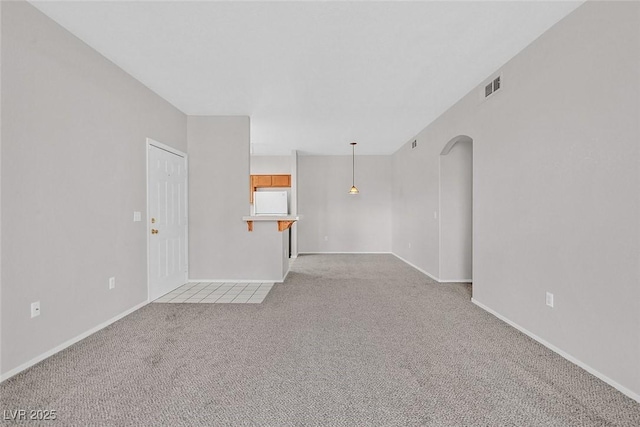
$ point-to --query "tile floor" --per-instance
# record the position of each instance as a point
(207, 292)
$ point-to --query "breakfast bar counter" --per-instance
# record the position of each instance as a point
(284, 221)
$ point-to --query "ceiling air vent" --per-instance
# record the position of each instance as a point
(492, 87)
(414, 144)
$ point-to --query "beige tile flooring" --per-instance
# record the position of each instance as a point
(208, 292)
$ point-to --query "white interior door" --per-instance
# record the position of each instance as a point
(167, 219)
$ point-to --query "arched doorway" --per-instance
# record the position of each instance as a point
(456, 210)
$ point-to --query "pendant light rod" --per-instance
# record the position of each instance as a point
(354, 189)
(353, 163)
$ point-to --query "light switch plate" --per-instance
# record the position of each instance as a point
(137, 216)
(549, 299)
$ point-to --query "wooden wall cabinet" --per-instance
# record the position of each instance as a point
(261, 180)
(265, 181)
(281, 180)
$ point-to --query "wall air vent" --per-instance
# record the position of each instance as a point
(488, 89)
(414, 144)
(492, 87)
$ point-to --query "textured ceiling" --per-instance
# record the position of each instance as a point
(313, 76)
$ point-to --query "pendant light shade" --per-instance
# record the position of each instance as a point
(354, 189)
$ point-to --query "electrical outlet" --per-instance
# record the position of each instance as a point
(435, 214)
(35, 309)
(112, 282)
(549, 299)
(409, 245)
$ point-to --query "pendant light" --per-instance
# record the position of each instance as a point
(353, 190)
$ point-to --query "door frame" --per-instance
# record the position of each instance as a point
(149, 143)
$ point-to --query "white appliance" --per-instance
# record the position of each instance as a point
(270, 202)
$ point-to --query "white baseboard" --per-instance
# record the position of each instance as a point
(245, 280)
(570, 358)
(70, 342)
(429, 274)
(344, 253)
(416, 267)
(235, 280)
(285, 275)
(397, 256)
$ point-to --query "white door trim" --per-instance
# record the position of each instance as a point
(151, 142)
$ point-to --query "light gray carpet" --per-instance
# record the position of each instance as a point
(347, 340)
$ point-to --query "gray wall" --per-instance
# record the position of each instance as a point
(220, 247)
(415, 193)
(455, 212)
(556, 180)
(270, 165)
(351, 223)
(73, 172)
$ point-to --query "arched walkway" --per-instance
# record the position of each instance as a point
(456, 185)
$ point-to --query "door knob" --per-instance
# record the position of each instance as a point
(154, 231)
